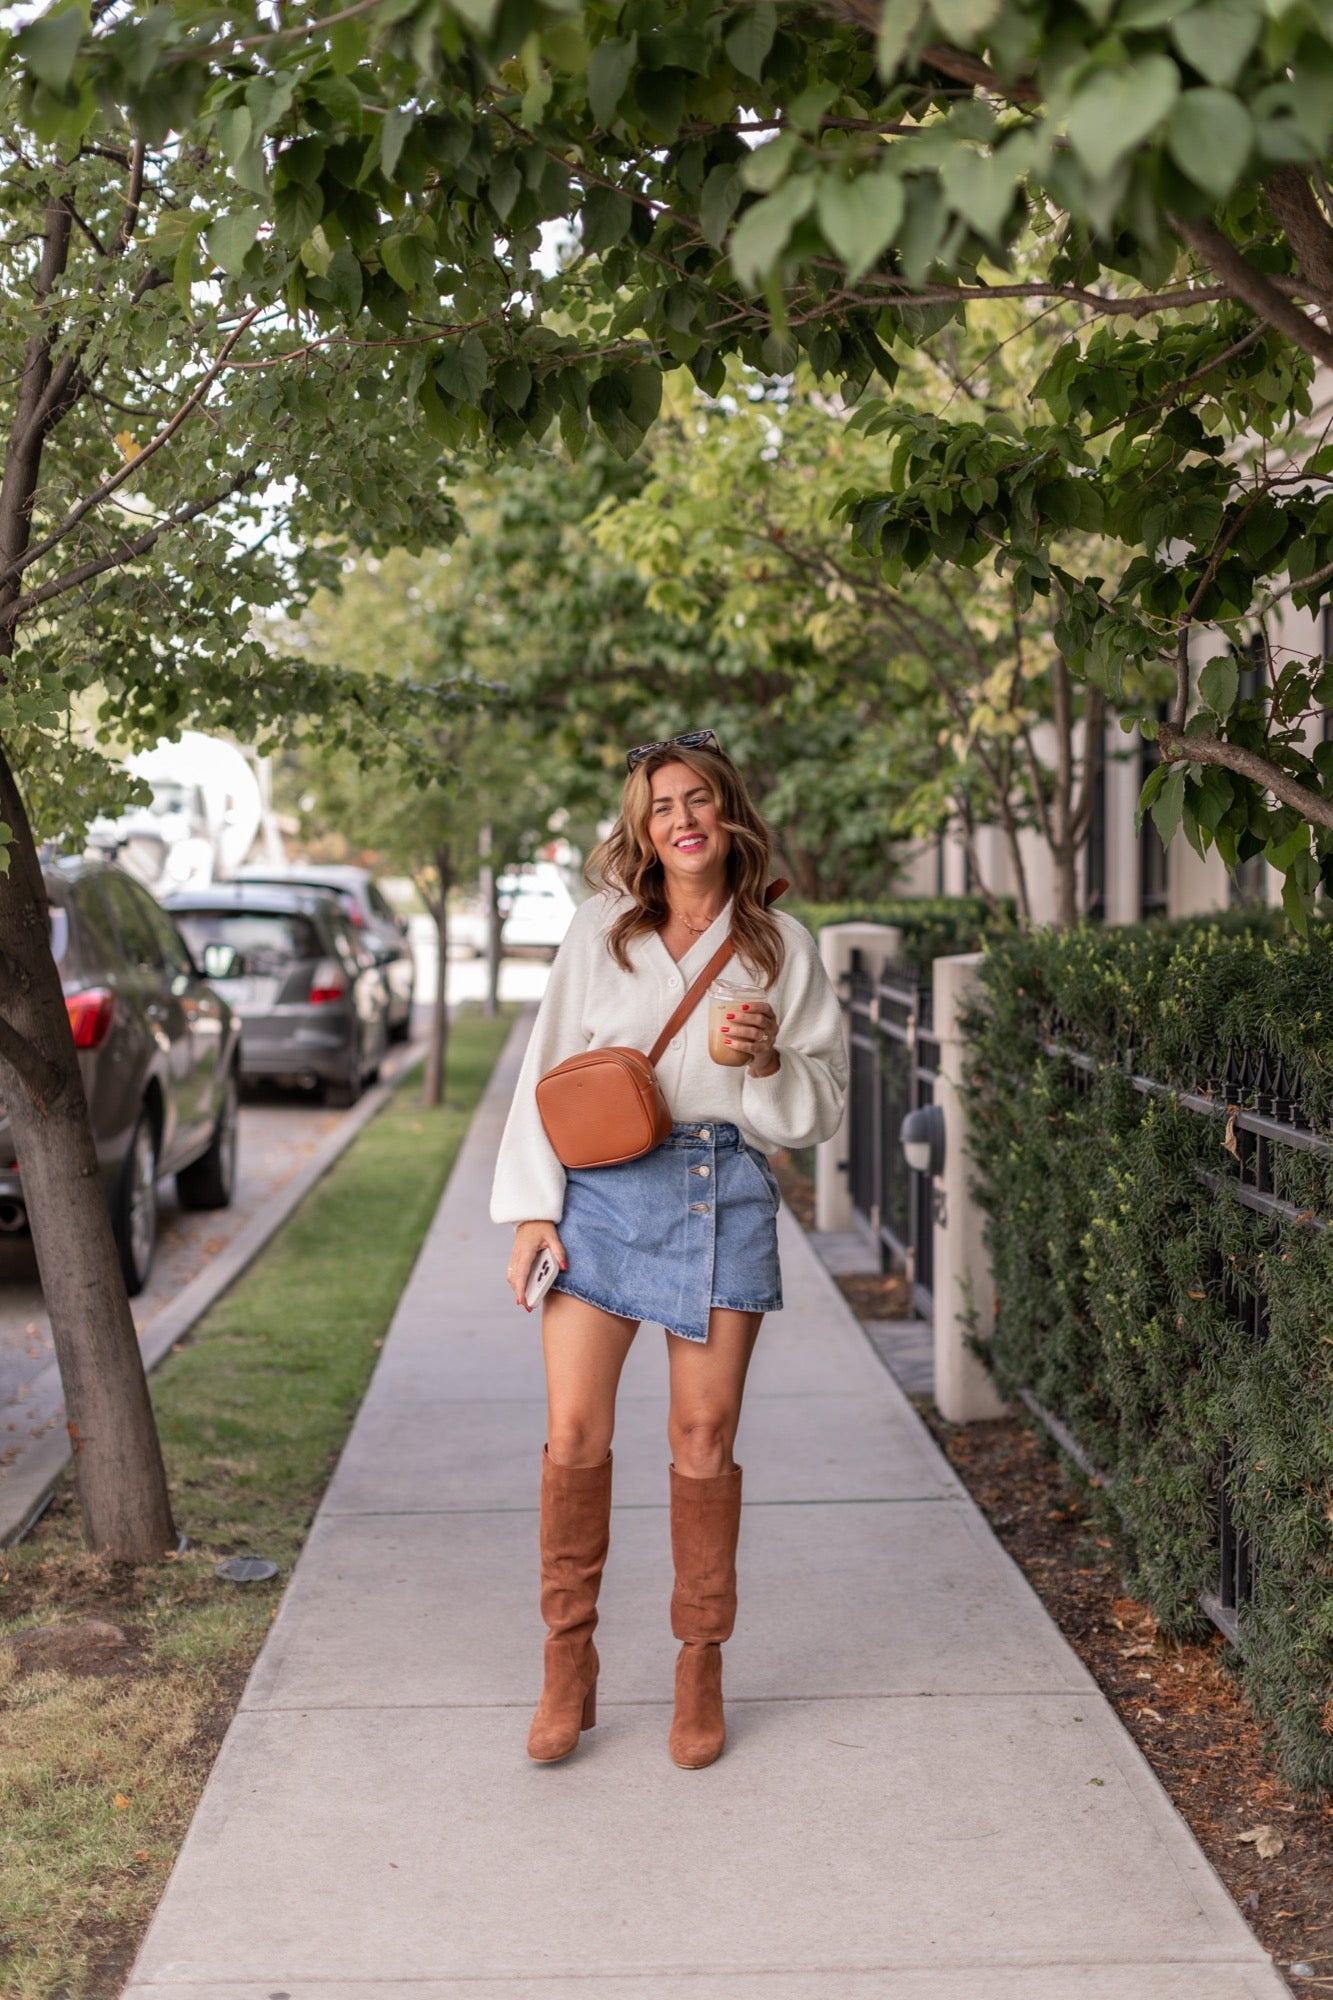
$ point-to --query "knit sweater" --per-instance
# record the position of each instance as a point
(591, 1003)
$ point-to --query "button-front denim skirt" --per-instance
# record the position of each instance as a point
(663, 1238)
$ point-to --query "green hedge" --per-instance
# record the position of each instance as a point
(932, 926)
(1122, 1280)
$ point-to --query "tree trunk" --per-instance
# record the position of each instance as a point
(437, 1049)
(1064, 862)
(118, 1469)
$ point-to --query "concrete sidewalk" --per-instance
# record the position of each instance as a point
(924, 1796)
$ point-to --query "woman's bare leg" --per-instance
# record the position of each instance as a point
(585, 1350)
(707, 1385)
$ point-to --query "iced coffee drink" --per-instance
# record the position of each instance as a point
(726, 1004)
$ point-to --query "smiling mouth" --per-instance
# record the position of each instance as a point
(690, 844)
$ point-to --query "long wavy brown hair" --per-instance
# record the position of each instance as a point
(627, 862)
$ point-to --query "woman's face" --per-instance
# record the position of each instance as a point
(683, 826)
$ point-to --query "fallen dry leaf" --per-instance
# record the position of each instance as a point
(1266, 1841)
(120, 1802)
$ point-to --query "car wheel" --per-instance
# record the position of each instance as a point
(210, 1181)
(400, 1031)
(134, 1210)
(341, 1096)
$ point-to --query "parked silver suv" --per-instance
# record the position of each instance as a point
(365, 903)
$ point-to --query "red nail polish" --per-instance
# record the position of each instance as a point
(745, 1006)
(731, 1017)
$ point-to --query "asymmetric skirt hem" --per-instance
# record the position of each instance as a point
(667, 1237)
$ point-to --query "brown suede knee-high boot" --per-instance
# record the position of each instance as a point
(705, 1527)
(575, 1531)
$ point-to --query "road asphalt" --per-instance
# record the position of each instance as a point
(924, 1795)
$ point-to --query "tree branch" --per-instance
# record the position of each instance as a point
(133, 196)
(129, 468)
(1206, 749)
(127, 552)
(1255, 290)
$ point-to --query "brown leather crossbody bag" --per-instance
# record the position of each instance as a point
(606, 1106)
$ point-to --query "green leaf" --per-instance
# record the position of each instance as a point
(661, 97)
(513, 382)
(768, 165)
(296, 210)
(49, 47)
(464, 369)
(504, 184)
(397, 124)
(345, 284)
(980, 188)
(1216, 38)
(1209, 138)
(718, 201)
(964, 20)
(860, 218)
(609, 69)
(1169, 804)
(479, 15)
(1118, 108)
(645, 395)
(749, 41)
(228, 240)
(573, 431)
(1219, 684)
(409, 261)
(1312, 90)
(606, 216)
(763, 232)
(182, 269)
(1281, 854)
(897, 24)
(301, 161)
(348, 42)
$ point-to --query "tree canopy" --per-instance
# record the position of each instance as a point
(829, 182)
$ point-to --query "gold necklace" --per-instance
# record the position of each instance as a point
(697, 930)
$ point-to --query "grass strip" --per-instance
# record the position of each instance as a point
(107, 1737)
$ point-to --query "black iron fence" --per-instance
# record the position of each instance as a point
(894, 1068)
(1253, 1137)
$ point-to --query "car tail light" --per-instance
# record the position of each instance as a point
(327, 982)
(90, 1016)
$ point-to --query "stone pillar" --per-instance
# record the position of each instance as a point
(837, 942)
(964, 1297)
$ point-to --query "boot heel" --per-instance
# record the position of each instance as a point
(589, 1708)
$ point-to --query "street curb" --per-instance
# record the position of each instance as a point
(26, 1492)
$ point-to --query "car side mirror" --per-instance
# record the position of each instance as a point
(223, 961)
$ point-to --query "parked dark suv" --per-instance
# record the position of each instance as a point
(159, 1052)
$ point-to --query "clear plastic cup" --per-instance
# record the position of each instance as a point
(726, 998)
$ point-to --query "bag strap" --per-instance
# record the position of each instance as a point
(701, 985)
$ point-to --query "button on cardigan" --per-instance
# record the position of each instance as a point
(591, 1003)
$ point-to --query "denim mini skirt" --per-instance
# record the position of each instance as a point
(664, 1238)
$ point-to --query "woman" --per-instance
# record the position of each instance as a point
(685, 1236)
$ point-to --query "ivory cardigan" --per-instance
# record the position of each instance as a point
(591, 1003)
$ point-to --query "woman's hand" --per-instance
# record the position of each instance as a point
(753, 1032)
(530, 1239)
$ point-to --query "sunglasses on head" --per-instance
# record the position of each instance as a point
(693, 739)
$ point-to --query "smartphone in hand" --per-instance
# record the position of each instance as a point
(545, 1270)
